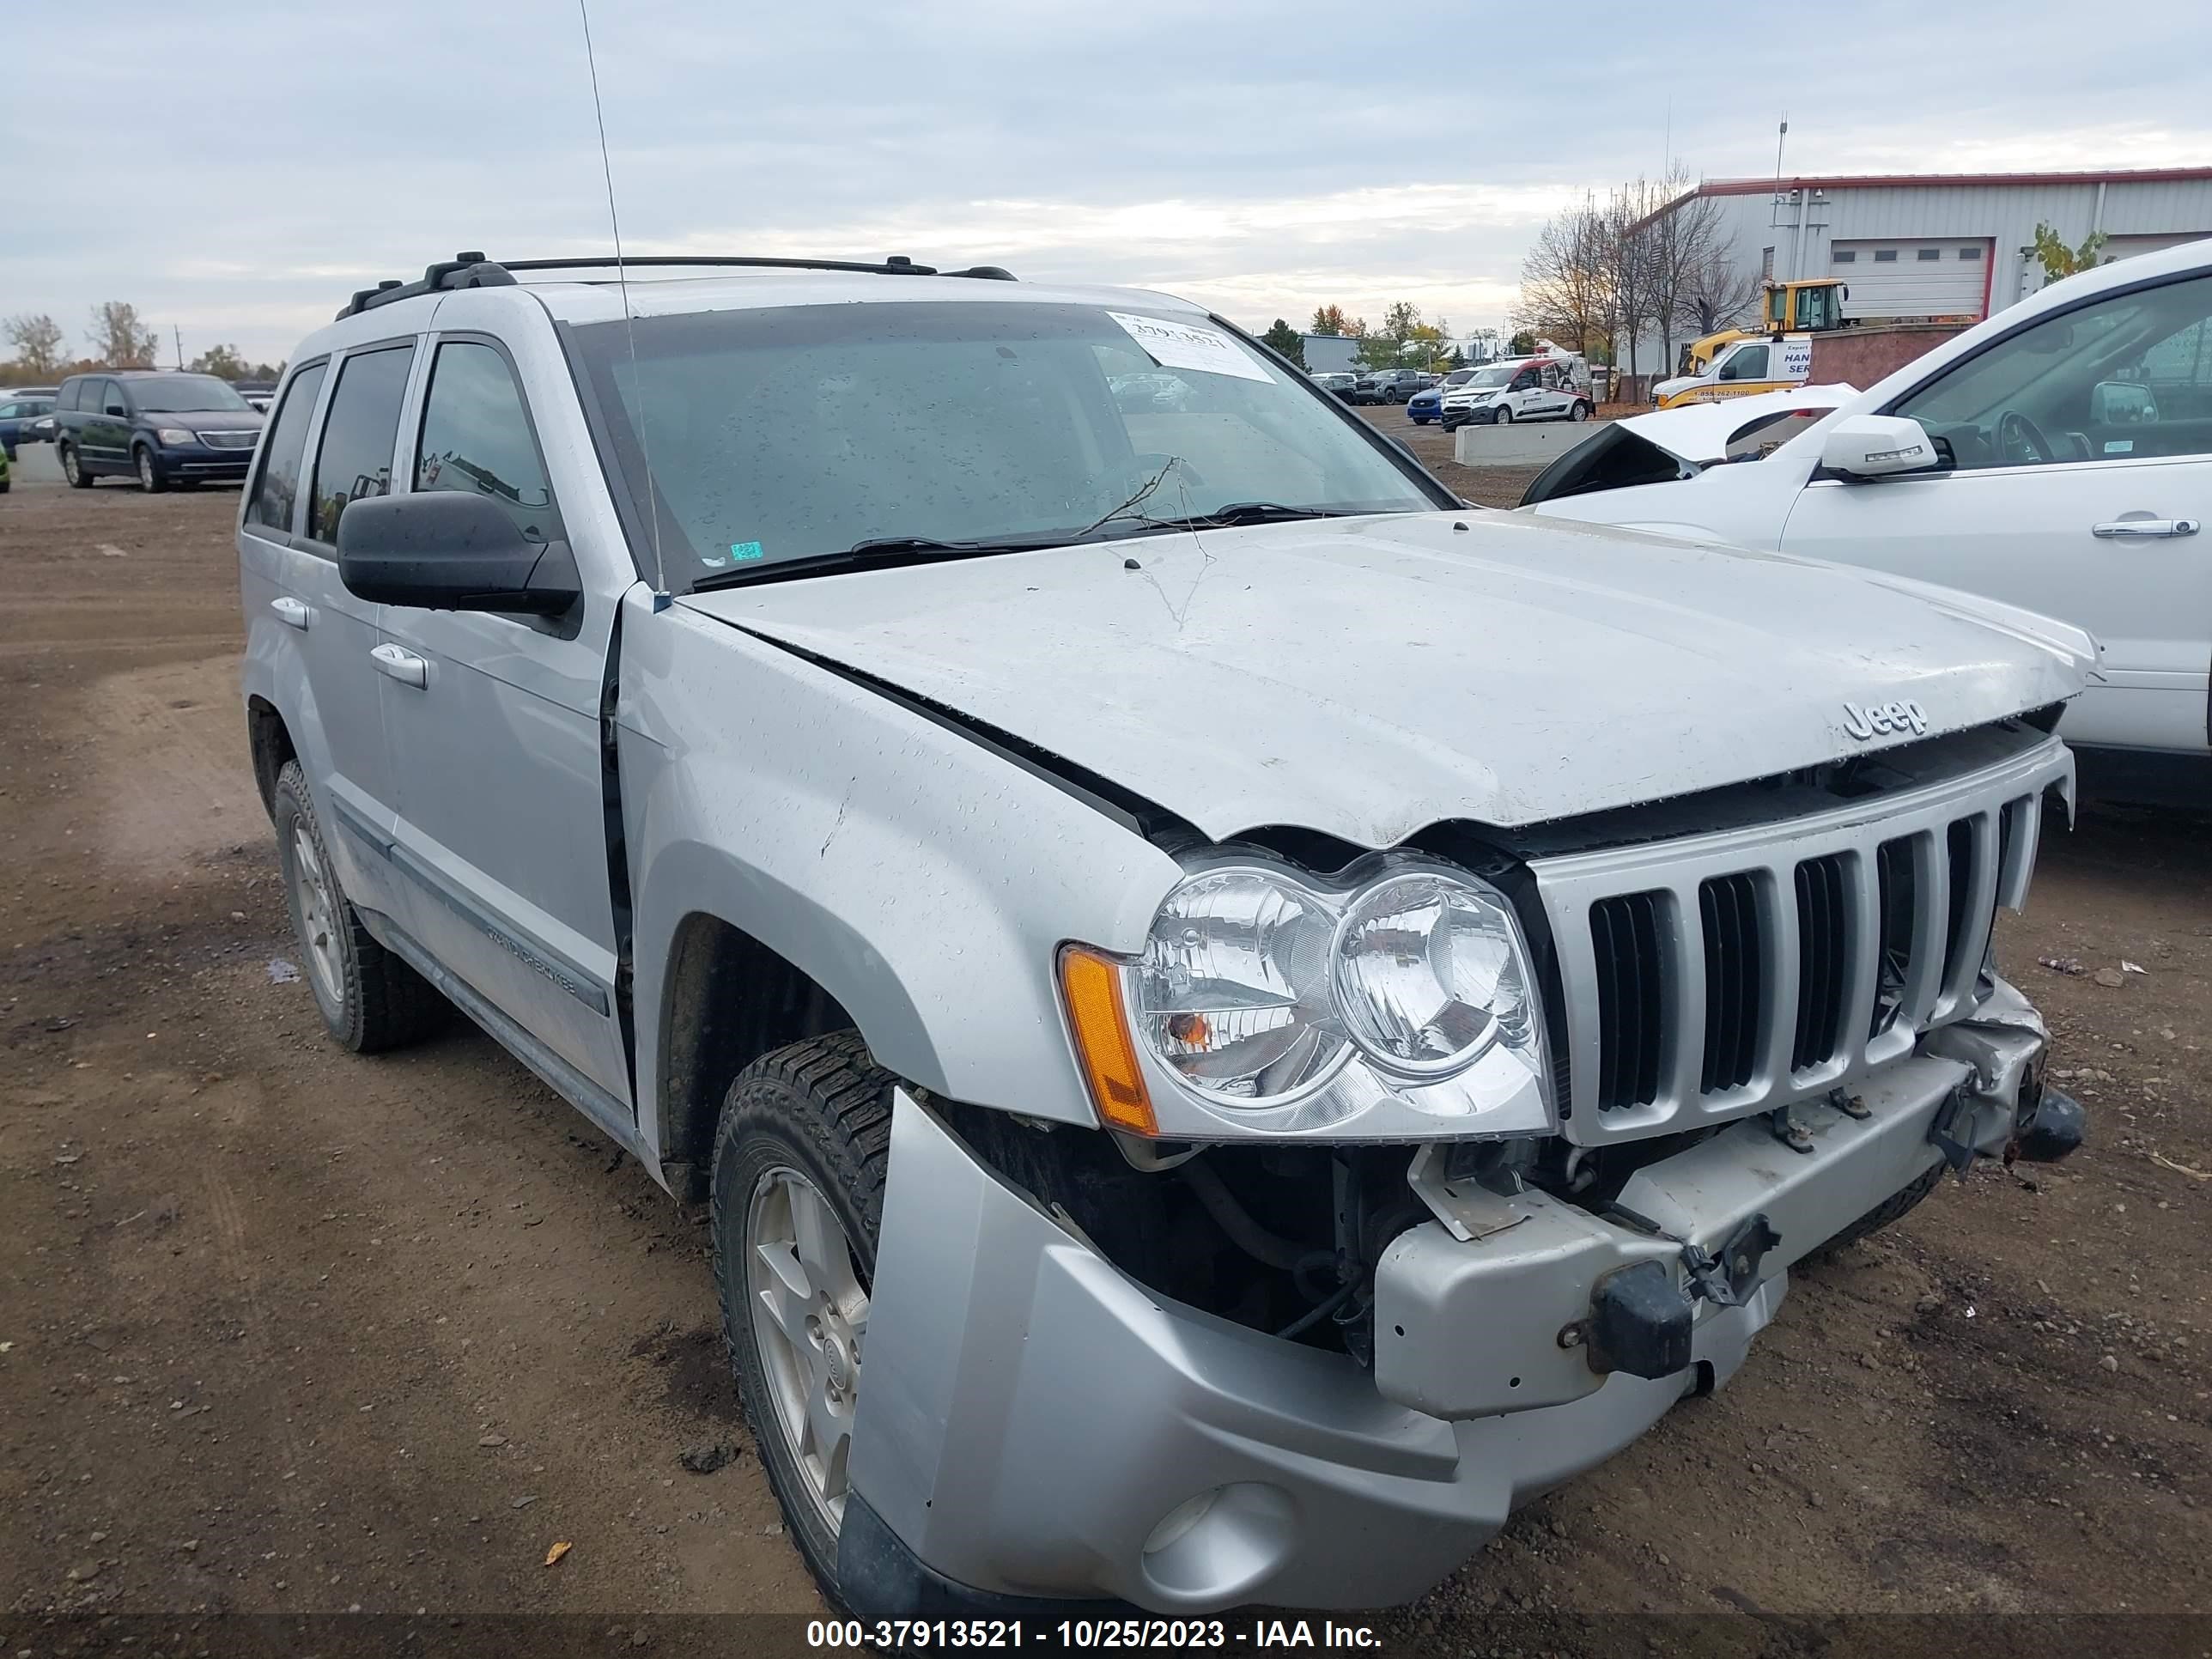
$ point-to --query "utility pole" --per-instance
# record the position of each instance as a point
(177, 334)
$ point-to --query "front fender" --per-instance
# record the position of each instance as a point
(919, 876)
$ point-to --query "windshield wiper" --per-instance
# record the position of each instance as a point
(1238, 512)
(880, 549)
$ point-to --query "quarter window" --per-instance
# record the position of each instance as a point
(278, 487)
(476, 436)
(354, 459)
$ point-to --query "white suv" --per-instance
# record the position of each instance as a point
(1239, 1018)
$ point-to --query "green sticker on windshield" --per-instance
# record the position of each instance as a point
(745, 550)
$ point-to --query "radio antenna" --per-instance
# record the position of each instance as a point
(630, 328)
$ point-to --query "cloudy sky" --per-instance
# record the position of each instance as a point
(236, 169)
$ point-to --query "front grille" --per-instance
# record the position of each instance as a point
(1625, 937)
(1823, 961)
(1896, 900)
(230, 439)
(1718, 975)
(1728, 911)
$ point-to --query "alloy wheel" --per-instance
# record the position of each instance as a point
(810, 1315)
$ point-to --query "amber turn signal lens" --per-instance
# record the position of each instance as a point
(1091, 986)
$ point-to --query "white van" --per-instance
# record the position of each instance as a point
(1552, 386)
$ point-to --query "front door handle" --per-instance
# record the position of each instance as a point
(397, 662)
(294, 613)
(2145, 528)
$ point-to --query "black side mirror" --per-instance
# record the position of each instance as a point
(118, 410)
(445, 551)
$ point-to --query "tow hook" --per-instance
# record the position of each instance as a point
(1943, 1134)
(1722, 1276)
(1640, 1320)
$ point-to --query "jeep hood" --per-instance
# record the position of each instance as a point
(1369, 677)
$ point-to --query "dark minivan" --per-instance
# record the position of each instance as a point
(161, 426)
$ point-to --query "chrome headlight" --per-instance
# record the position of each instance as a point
(1400, 1004)
(1429, 972)
(175, 436)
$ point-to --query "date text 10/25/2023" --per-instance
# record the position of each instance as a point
(1087, 1634)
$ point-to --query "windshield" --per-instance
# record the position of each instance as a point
(1496, 375)
(178, 393)
(794, 431)
(1459, 377)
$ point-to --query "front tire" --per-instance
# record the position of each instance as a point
(1503, 417)
(800, 1162)
(1581, 411)
(151, 478)
(73, 468)
(370, 999)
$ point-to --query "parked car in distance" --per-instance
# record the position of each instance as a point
(20, 418)
(1388, 385)
(1555, 386)
(161, 427)
(1344, 384)
(2056, 456)
(1427, 405)
(1225, 1136)
(257, 392)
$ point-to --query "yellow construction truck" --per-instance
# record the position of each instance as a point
(1735, 362)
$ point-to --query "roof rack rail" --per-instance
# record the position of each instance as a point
(474, 270)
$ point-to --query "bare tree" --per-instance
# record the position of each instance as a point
(1695, 282)
(38, 344)
(1566, 280)
(1637, 296)
(118, 340)
(1719, 293)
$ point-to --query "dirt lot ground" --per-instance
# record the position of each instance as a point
(286, 1331)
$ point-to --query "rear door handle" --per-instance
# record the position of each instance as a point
(2144, 529)
(397, 662)
(292, 612)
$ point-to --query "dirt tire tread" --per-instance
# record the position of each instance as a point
(828, 1104)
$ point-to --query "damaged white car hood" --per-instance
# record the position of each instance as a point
(1369, 677)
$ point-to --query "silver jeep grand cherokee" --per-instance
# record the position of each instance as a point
(1240, 1017)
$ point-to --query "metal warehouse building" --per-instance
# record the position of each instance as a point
(1951, 246)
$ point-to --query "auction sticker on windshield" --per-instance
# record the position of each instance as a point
(1187, 345)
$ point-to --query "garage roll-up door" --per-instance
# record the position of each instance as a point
(1921, 277)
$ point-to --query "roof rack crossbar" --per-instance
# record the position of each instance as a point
(474, 270)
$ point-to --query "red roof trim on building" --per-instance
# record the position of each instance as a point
(1940, 180)
(1925, 181)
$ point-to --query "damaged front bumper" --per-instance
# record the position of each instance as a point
(1035, 1424)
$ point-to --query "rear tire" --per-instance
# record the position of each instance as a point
(799, 1162)
(73, 468)
(369, 998)
(1890, 1210)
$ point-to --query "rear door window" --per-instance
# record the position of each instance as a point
(277, 488)
(353, 460)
